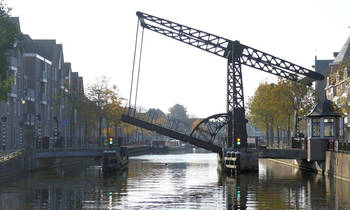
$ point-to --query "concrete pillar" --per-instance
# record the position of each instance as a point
(249, 161)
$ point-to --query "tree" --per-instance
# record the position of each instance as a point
(128, 130)
(195, 123)
(89, 112)
(107, 102)
(261, 113)
(179, 112)
(113, 108)
(96, 94)
(9, 35)
(273, 106)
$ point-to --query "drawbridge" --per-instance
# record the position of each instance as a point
(234, 120)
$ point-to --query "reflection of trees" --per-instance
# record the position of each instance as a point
(281, 188)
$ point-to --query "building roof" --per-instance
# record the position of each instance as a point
(324, 109)
(344, 52)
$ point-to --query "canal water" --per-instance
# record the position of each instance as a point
(173, 181)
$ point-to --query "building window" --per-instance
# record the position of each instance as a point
(316, 127)
(329, 127)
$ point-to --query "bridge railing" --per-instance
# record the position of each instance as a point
(157, 117)
(339, 145)
(280, 142)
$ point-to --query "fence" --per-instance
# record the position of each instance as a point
(277, 142)
(339, 145)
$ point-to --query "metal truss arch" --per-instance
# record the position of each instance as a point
(210, 126)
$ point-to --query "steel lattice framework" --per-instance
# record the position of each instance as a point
(210, 126)
(236, 55)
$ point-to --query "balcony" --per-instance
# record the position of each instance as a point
(43, 99)
(29, 95)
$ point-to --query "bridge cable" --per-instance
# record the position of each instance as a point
(133, 65)
(138, 73)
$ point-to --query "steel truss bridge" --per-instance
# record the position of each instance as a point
(208, 133)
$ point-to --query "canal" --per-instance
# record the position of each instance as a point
(173, 181)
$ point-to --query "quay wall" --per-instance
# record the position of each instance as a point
(138, 150)
(336, 164)
(27, 162)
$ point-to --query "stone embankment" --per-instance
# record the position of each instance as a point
(336, 164)
(18, 162)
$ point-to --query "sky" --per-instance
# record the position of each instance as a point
(98, 38)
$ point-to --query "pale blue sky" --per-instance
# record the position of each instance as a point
(98, 39)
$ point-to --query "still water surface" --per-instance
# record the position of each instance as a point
(179, 181)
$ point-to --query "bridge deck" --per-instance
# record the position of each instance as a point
(171, 133)
(297, 154)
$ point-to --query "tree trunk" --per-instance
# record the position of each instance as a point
(100, 131)
(267, 133)
(272, 133)
(288, 131)
(116, 136)
(108, 129)
(278, 136)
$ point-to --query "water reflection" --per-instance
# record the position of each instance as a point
(185, 181)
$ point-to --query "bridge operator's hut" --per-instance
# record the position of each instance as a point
(324, 125)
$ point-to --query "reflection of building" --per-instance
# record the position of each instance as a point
(42, 95)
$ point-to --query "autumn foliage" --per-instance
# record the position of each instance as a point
(273, 107)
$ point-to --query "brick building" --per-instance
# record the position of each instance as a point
(337, 83)
(40, 105)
